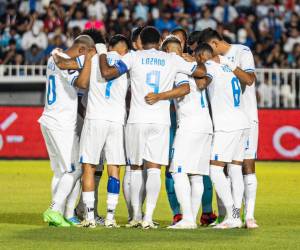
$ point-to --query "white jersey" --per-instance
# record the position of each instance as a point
(192, 110)
(152, 71)
(60, 111)
(106, 99)
(224, 94)
(243, 57)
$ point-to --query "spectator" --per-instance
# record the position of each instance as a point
(263, 7)
(267, 93)
(53, 18)
(10, 55)
(34, 56)
(34, 36)
(57, 42)
(225, 13)
(141, 10)
(26, 7)
(287, 95)
(165, 22)
(79, 20)
(94, 23)
(97, 9)
(293, 39)
(206, 21)
(12, 33)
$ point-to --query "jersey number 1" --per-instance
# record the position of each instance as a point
(51, 93)
(152, 79)
(236, 91)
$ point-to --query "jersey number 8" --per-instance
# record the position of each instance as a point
(51, 93)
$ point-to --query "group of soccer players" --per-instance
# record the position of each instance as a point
(194, 113)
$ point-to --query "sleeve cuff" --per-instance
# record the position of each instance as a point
(181, 82)
(79, 62)
(121, 67)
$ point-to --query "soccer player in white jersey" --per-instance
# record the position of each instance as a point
(191, 148)
(103, 129)
(147, 129)
(230, 132)
(240, 59)
(58, 125)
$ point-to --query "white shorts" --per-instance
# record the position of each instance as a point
(191, 152)
(62, 147)
(148, 142)
(252, 141)
(99, 135)
(229, 146)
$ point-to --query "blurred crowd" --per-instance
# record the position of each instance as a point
(30, 29)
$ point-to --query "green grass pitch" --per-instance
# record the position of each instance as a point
(25, 194)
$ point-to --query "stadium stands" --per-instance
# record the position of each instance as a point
(30, 29)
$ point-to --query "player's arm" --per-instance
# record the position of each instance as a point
(203, 82)
(176, 92)
(246, 77)
(84, 77)
(107, 71)
(189, 66)
(65, 63)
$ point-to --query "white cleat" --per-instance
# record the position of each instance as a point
(134, 224)
(183, 225)
(148, 225)
(111, 224)
(229, 223)
(88, 223)
(251, 224)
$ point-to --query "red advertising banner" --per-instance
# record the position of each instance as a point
(279, 134)
(20, 135)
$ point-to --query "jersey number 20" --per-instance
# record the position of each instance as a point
(236, 91)
(152, 79)
(51, 93)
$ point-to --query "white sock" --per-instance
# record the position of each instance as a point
(221, 208)
(55, 180)
(126, 191)
(97, 181)
(88, 200)
(144, 186)
(183, 192)
(197, 190)
(72, 199)
(250, 182)
(222, 188)
(136, 181)
(112, 202)
(64, 188)
(237, 183)
(153, 185)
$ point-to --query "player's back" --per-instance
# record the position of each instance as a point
(151, 71)
(61, 98)
(225, 98)
(192, 110)
(106, 99)
(243, 57)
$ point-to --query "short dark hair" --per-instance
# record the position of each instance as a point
(95, 35)
(117, 39)
(150, 35)
(170, 39)
(208, 34)
(181, 30)
(194, 37)
(203, 47)
(135, 33)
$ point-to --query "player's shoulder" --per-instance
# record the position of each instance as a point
(241, 47)
(211, 64)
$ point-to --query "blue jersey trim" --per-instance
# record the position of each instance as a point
(209, 75)
(194, 68)
(79, 62)
(181, 82)
(73, 80)
(249, 70)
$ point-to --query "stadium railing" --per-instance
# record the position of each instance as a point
(276, 88)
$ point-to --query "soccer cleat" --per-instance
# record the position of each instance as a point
(100, 220)
(88, 223)
(176, 218)
(219, 220)
(55, 218)
(74, 221)
(207, 219)
(251, 224)
(183, 225)
(79, 213)
(155, 223)
(111, 224)
(229, 223)
(134, 224)
(148, 225)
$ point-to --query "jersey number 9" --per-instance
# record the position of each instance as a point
(152, 80)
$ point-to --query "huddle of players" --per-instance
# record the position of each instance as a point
(202, 146)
